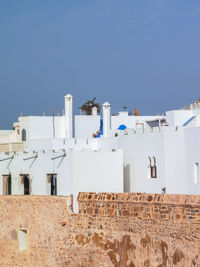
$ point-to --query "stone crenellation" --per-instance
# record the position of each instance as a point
(140, 205)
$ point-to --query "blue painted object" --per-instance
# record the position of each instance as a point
(188, 121)
(122, 127)
(101, 129)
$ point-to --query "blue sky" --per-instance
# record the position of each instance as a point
(137, 53)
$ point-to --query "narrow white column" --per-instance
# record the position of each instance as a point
(106, 119)
(68, 115)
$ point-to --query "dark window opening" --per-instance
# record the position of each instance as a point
(23, 135)
(9, 185)
(153, 172)
(152, 167)
(53, 184)
(26, 186)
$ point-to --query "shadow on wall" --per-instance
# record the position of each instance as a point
(127, 183)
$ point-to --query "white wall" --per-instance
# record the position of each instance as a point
(137, 148)
(39, 127)
(100, 171)
(175, 150)
(85, 125)
(178, 117)
(7, 136)
(192, 156)
(37, 169)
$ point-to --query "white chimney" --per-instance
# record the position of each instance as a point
(68, 115)
(94, 111)
(106, 119)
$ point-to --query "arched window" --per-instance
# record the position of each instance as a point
(149, 158)
(23, 135)
(26, 186)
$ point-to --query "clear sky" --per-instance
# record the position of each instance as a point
(134, 53)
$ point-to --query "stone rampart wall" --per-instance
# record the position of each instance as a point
(142, 206)
(58, 238)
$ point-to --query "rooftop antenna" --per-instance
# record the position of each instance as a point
(53, 121)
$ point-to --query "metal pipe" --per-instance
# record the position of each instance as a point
(7, 158)
(62, 156)
(33, 157)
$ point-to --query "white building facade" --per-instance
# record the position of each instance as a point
(153, 154)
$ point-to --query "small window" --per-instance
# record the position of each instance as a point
(26, 186)
(23, 135)
(22, 240)
(152, 168)
(153, 172)
(52, 179)
(26, 182)
(196, 173)
(7, 185)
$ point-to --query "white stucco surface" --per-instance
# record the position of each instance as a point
(41, 127)
(178, 117)
(98, 171)
(85, 125)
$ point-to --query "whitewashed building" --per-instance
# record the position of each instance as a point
(123, 153)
